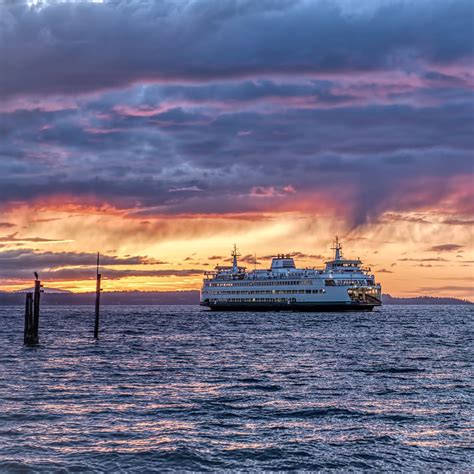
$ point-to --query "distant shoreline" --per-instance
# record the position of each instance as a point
(117, 298)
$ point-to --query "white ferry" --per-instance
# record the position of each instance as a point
(343, 285)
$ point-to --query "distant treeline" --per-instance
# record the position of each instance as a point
(388, 299)
(176, 297)
(109, 298)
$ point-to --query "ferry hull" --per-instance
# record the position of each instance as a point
(308, 307)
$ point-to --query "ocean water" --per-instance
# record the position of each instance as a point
(180, 388)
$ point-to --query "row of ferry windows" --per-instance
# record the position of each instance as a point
(262, 283)
(259, 292)
(328, 282)
(260, 300)
(364, 291)
(347, 282)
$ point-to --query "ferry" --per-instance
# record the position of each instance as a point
(343, 285)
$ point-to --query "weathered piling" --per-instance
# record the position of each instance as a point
(32, 312)
(36, 308)
(28, 335)
(97, 301)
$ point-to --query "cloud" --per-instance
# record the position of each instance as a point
(216, 257)
(445, 248)
(271, 191)
(77, 274)
(29, 260)
(383, 270)
(391, 217)
(12, 238)
(6, 225)
(249, 259)
(353, 151)
(201, 109)
(123, 43)
(76, 266)
(307, 256)
(468, 222)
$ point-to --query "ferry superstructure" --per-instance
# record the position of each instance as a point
(343, 285)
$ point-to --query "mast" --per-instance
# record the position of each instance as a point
(235, 254)
(97, 300)
(337, 249)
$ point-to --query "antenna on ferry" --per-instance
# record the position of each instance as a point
(337, 249)
(235, 267)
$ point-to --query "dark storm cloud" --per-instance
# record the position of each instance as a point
(89, 46)
(237, 106)
(29, 260)
(377, 150)
(74, 274)
(235, 93)
(20, 264)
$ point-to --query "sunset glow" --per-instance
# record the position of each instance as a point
(160, 146)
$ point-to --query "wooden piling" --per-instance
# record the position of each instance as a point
(36, 309)
(32, 312)
(28, 335)
(97, 301)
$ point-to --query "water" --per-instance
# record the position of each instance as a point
(179, 388)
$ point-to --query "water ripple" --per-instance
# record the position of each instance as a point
(171, 388)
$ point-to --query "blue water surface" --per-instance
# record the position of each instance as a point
(181, 388)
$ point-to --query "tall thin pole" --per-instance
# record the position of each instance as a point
(97, 300)
(28, 337)
(36, 311)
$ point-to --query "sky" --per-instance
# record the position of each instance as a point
(160, 133)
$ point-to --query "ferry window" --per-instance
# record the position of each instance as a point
(330, 283)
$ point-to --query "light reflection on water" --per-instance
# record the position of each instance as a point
(178, 388)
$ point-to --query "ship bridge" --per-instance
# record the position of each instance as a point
(341, 264)
(282, 263)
